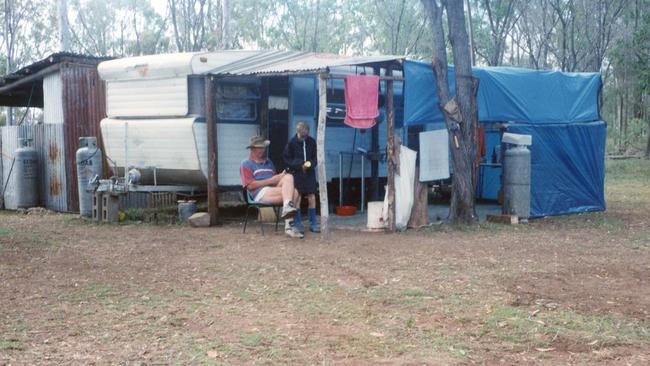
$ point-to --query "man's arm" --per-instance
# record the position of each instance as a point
(273, 181)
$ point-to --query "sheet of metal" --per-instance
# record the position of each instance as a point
(84, 99)
(160, 143)
(54, 175)
(169, 65)
(53, 98)
(9, 145)
(166, 147)
(147, 97)
(231, 62)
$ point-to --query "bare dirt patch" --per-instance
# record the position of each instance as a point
(561, 290)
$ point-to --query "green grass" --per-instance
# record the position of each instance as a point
(627, 170)
(4, 232)
(11, 344)
(517, 330)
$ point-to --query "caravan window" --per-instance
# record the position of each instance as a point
(237, 101)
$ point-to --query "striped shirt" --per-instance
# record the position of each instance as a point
(251, 171)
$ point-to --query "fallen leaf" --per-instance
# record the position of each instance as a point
(213, 354)
(545, 349)
(376, 334)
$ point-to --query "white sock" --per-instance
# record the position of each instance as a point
(286, 203)
(288, 223)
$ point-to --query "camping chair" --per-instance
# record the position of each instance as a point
(251, 204)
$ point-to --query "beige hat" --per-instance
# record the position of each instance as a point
(258, 141)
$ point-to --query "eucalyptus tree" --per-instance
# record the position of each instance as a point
(461, 111)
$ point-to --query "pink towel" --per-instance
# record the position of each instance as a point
(361, 95)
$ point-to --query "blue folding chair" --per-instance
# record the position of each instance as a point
(252, 204)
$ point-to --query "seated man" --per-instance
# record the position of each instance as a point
(263, 185)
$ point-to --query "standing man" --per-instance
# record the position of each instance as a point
(263, 185)
(300, 156)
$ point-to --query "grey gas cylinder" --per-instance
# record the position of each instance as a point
(89, 165)
(516, 182)
(26, 170)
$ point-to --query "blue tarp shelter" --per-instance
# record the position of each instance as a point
(560, 110)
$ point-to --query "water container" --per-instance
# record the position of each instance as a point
(516, 182)
(89, 165)
(375, 215)
(185, 210)
(26, 171)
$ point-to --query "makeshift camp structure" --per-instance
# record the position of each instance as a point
(186, 118)
(560, 111)
(67, 88)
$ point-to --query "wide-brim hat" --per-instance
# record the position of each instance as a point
(258, 141)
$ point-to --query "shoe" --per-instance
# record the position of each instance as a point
(288, 211)
(300, 229)
(293, 233)
(314, 228)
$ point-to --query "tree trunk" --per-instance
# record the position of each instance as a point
(390, 151)
(225, 35)
(647, 146)
(471, 32)
(314, 38)
(64, 27)
(461, 210)
(466, 88)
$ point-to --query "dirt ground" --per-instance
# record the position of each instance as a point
(563, 290)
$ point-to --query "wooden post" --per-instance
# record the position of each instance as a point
(211, 121)
(320, 155)
(390, 150)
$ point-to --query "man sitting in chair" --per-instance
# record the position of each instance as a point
(263, 185)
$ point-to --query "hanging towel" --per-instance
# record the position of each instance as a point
(434, 155)
(361, 96)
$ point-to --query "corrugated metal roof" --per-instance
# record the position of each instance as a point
(230, 62)
(296, 62)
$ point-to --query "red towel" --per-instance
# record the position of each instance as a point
(361, 95)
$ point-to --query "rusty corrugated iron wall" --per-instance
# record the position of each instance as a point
(84, 106)
(47, 140)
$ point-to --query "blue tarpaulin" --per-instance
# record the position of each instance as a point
(507, 94)
(567, 167)
(560, 111)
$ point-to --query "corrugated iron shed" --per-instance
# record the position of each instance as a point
(81, 104)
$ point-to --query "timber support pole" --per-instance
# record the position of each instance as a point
(390, 148)
(211, 121)
(320, 156)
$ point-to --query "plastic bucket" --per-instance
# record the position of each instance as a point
(185, 210)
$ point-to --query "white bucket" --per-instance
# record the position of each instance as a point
(375, 216)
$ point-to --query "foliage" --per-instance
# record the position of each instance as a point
(608, 36)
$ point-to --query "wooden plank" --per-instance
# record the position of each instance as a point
(503, 219)
(320, 155)
(211, 120)
(390, 150)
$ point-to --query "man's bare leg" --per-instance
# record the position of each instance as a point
(288, 190)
